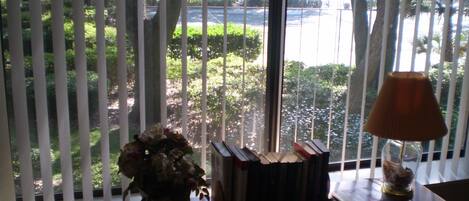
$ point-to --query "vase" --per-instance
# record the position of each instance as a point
(400, 161)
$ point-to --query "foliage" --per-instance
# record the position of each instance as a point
(445, 86)
(317, 86)
(90, 42)
(51, 96)
(305, 3)
(254, 87)
(425, 6)
(255, 3)
(215, 34)
(251, 3)
(210, 2)
(422, 43)
(159, 165)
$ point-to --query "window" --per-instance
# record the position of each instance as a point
(323, 95)
(72, 96)
(100, 53)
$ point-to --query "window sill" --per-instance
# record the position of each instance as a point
(134, 197)
(422, 178)
(349, 175)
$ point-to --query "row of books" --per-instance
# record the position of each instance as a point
(240, 174)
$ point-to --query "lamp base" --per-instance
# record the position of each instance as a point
(389, 189)
(400, 161)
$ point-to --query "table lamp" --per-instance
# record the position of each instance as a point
(405, 112)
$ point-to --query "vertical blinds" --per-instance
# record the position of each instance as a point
(40, 92)
(20, 110)
(409, 56)
(7, 185)
(103, 100)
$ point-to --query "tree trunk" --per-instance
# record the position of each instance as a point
(152, 58)
(356, 88)
(360, 28)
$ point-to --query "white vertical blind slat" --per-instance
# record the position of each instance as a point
(204, 83)
(384, 45)
(82, 97)
(313, 115)
(347, 98)
(430, 37)
(122, 80)
(225, 50)
(184, 67)
(40, 96)
(103, 100)
(462, 118)
(452, 88)
(20, 107)
(261, 139)
(363, 101)
(402, 6)
(141, 63)
(431, 144)
(362, 107)
(297, 109)
(416, 32)
(444, 39)
(443, 49)
(380, 80)
(338, 37)
(163, 43)
(60, 69)
(243, 84)
(7, 185)
(338, 23)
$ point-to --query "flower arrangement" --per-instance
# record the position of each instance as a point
(159, 166)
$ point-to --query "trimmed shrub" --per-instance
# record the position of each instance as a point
(210, 2)
(215, 42)
(51, 94)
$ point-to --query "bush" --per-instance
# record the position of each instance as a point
(255, 3)
(307, 3)
(445, 84)
(215, 42)
(254, 88)
(210, 2)
(51, 94)
(90, 40)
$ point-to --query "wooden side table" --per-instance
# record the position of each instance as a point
(370, 189)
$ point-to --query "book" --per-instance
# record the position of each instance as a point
(316, 191)
(253, 179)
(309, 170)
(325, 180)
(222, 168)
(274, 175)
(280, 172)
(294, 168)
(240, 173)
(267, 177)
(243, 175)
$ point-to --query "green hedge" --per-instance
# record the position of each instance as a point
(72, 94)
(215, 42)
(210, 2)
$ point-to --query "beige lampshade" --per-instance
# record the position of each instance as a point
(406, 109)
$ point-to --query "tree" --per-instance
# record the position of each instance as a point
(361, 33)
(152, 52)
